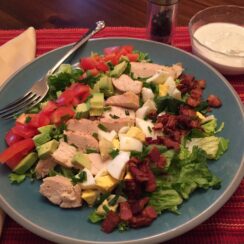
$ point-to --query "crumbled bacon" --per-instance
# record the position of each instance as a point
(158, 126)
(133, 189)
(187, 111)
(149, 212)
(201, 84)
(169, 143)
(125, 212)
(140, 221)
(196, 93)
(193, 102)
(138, 205)
(151, 183)
(110, 222)
(214, 101)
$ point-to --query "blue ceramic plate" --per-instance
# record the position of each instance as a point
(24, 203)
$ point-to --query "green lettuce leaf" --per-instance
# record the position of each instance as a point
(16, 179)
(223, 146)
(165, 199)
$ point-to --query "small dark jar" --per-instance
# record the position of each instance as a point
(161, 20)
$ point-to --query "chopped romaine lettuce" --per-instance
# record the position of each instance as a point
(16, 179)
(209, 144)
(165, 199)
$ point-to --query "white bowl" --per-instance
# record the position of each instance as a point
(228, 64)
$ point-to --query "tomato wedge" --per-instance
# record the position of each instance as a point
(62, 114)
(132, 56)
(66, 98)
(24, 131)
(49, 107)
(109, 50)
(19, 148)
(11, 138)
(88, 63)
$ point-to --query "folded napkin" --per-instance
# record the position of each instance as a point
(13, 55)
(16, 53)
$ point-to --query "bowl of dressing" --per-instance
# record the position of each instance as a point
(217, 36)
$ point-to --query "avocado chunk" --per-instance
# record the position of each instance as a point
(46, 129)
(82, 110)
(97, 101)
(46, 149)
(26, 163)
(41, 139)
(97, 104)
(81, 160)
(119, 69)
(104, 85)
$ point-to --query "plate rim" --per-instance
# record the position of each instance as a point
(163, 236)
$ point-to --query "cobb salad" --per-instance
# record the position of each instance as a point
(120, 134)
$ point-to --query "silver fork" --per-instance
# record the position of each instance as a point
(40, 88)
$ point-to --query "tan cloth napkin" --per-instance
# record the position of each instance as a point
(16, 53)
(13, 55)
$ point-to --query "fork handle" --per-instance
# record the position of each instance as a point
(99, 26)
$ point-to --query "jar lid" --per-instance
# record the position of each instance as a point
(164, 2)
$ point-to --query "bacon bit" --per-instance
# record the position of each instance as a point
(138, 174)
(187, 111)
(125, 212)
(201, 84)
(138, 205)
(193, 102)
(151, 183)
(157, 158)
(158, 126)
(195, 124)
(140, 221)
(196, 93)
(169, 143)
(149, 212)
(133, 189)
(111, 222)
(154, 154)
(214, 101)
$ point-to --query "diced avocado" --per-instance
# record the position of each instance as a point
(119, 69)
(96, 112)
(41, 139)
(104, 85)
(46, 129)
(26, 163)
(46, 149)
(97, 101)
(82, 110)
(81, 160)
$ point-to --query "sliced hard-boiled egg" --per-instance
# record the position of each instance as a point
(106, 135)
(116, 167)
(115, 143)
(90, 196)
(148, 107)
(124, 130)
(146, 126)
(147, 94)
(106, 204)
(159, 77)
(89, 183)
(129, 143)
(136, 133)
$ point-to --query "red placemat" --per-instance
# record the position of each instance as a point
(225, 227)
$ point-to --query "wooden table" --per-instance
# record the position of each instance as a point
(16, 14)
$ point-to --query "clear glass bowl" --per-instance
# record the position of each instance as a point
(225, 63)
